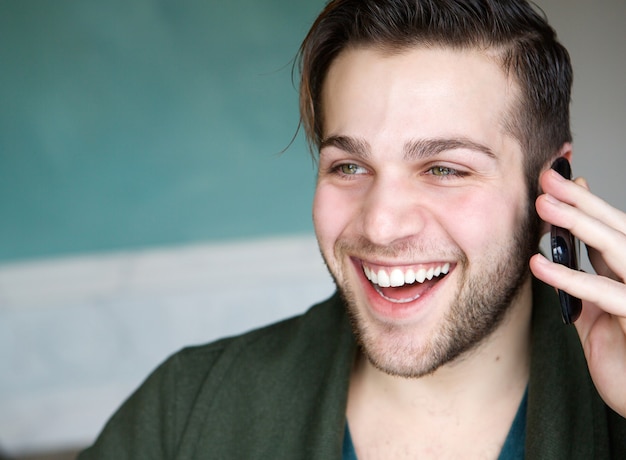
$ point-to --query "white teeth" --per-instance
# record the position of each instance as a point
(383, 278)
(420, 276)
(409, 276)
(399, 278)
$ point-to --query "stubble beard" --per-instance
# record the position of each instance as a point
(483, 298)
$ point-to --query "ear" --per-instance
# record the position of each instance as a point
(566, 151)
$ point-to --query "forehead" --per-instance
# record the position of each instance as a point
(436, 91)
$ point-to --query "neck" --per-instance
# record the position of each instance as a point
(494, 374)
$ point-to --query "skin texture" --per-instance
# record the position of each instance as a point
(417, 171)
(464, 204)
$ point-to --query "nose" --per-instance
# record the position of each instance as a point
(392, 212)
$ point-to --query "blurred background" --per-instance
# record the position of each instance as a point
(145, 203)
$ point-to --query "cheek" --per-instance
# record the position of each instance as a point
(330, 216)
(483, 220)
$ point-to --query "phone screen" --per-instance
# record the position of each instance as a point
(565, 252)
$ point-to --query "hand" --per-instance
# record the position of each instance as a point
(602, 324)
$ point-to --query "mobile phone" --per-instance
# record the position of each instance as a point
(565, 252)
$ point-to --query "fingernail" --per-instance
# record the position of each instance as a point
(556, 175)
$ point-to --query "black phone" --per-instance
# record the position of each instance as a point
(565, 252)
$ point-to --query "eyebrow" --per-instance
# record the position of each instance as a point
(427, 148)
(413, 150)
(354, 146)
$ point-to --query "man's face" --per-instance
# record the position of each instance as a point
(421, 206)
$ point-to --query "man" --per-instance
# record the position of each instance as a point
(436, 123)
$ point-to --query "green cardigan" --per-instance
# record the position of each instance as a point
(280, 393)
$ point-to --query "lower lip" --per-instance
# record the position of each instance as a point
(386, 310)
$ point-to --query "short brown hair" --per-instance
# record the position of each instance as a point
(525, 43)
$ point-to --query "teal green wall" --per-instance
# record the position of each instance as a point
(127, 124)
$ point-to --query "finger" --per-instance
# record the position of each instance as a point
(583, 183)
(577, 194)
(591, 316)
(599, 265)
(610, 243)
(604, 343)
(605, 293)
(597, 262)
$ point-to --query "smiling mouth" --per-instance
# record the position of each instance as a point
(404, 285)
